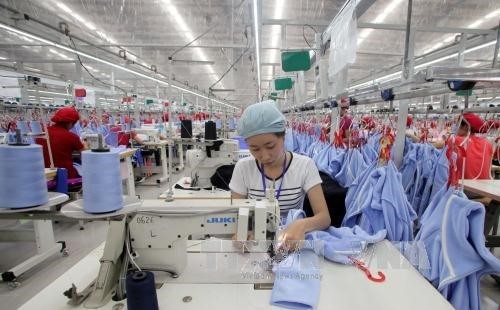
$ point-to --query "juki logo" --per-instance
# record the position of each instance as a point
(221, 220)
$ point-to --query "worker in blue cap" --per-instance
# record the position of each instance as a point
(291, 175)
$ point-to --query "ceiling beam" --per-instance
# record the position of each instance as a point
(401, 27)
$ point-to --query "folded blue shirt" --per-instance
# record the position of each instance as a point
(297, 277)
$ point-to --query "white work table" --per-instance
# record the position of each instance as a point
(42, 234)
(199, 194)
(342, 287)
(487, 188)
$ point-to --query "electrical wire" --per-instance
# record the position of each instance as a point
(230, 67)
(95, 78)
(127, 245)
(304, 36)
(203, 34)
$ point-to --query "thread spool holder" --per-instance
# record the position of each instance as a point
(101, 148)
(19, 139)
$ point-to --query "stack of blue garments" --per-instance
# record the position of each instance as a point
(376, 201)
(424, 172)
(452, 229)
(297, 277)
(329, 160)
(353, 165)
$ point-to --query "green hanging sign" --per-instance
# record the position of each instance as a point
(295, 61)
(149, 101)
(462, 93)
(283, 83)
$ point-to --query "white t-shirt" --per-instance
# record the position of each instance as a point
(300, 176)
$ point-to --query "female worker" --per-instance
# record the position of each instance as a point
(478, 150)
(345, 122)
(293, 175)
(124, 137)
(62, 142)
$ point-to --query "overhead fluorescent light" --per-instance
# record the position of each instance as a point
(476, 23)
(83, 54)
(387, 10)
(91, 26)
(171, 9)
(257, 43)
(63, 7)
(493, 14)
(47, 92)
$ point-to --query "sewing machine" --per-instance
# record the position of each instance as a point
(154, 237)
(148, 134)
(205, 162)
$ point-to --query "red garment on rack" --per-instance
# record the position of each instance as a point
(123, 138)
(478, 157)
(62, 144)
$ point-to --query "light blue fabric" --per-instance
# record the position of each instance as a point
(336, 244)
(322, 159)
(297, 278)
(297, 281)
(336, 158)
(436, 180)
(289, 140)
(452, 231)
(315, 148)
(369, 153)
(296, 144)
(353, 165)
(260, 118)
(441, 173)
(376, 201)
(77, 129)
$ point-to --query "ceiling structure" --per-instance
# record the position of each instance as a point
(212, 46)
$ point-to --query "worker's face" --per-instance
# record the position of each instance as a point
(462, 131)
(343, 111)
(267, 148)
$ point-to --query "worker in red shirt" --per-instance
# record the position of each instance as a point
(62, 142)
(478, 150)
(345, 120)
(124, 136)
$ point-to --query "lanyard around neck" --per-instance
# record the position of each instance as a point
(278, 193)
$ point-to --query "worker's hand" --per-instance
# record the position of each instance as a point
(243, 244)
(291, 238)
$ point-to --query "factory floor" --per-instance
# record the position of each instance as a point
(81, 242)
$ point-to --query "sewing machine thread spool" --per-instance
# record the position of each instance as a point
(22, 175)
(186, 129)
(210, 131)
(102, 185)
(141, 291)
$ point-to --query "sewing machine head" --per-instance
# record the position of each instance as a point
(155, 238)
(148, 134)
(205, 166)
(159, 232)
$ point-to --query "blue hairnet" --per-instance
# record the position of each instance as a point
(260, 118)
